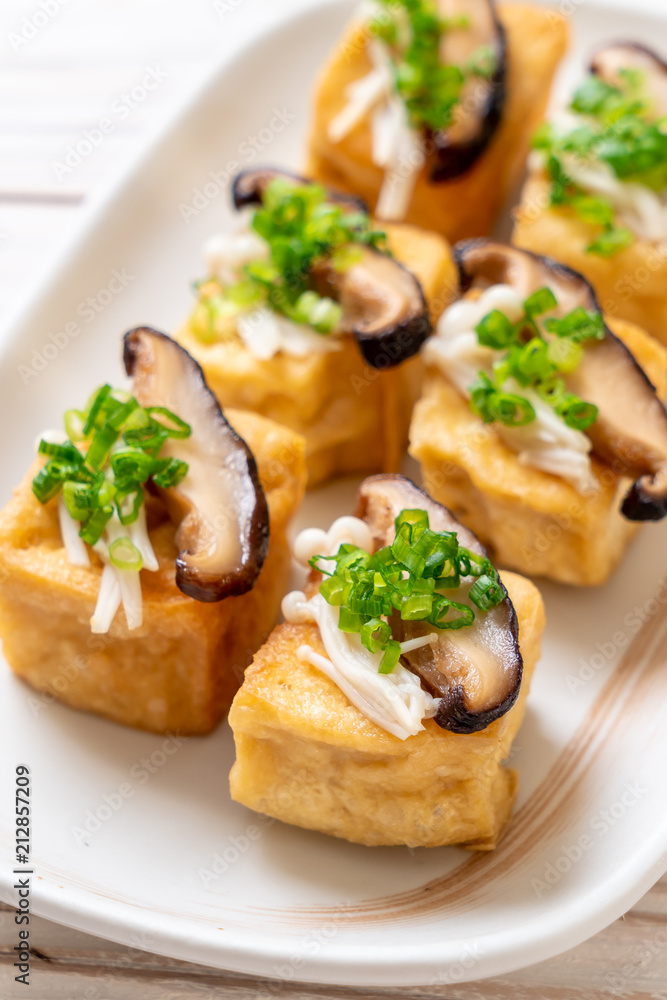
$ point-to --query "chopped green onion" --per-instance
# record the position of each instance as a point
(332, 590)
(348, 621)
(417, 607)
(565, 354)
(404, 553)
(129, 500)
(417, 521)
(496, 330)
(103, 441)
(610, 243)
(392, 654)
(107, 477)
(78, 499)
(579, 325)
(95, 407)
(576, 413)
(123, 554)
(123, 414)
(150, 437)
(443, 607)
(74, 423)
(534, 363)
(91, 532)
(172, 425)
(541, 301)
(486, 592)
(45, 485)
(370, 589)
(66, 452)
(170, 472)
(131, 463)
(375, 634)
(511, 410)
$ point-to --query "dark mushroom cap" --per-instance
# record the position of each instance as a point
(476, 671)
(248, 188)
(220, 507)
(608, 62)
(630, 433)
(478, 114)
(384, 306)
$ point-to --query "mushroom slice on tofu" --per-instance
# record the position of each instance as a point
(630, 432)
(249, 186)
(610, 62)
(383, 305)
(479, 110)
(219, 507)
(477, 670)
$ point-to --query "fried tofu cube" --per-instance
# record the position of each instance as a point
(354, 418)
(630, 285)
(532, 521)
(180, 670)
(307, 756)
(467, 205)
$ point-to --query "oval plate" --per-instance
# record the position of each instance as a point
(135, 837)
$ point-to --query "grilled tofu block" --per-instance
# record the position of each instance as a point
(180, 670)
(630, 285)
(532, 521)
(307, 756)
(354, 418)
(466, 205)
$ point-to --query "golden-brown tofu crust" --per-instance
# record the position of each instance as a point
(307, 756)
(354, 418)
(630, 285)
(532, 521)
(177, 673)
(467, 206)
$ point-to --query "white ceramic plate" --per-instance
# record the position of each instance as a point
(174, 866)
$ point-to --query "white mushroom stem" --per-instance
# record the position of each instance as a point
(397, 148)
(396, 702)
(141, 539)
(108, 601)
(75, 547)
(546, 443)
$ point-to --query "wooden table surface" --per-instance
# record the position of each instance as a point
(65, 65)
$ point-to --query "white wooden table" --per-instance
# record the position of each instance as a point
(67, 66)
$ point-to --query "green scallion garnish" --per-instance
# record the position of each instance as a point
(413, 31)
(300, 226)
(618, 128)
(123, 554)
(405, 578)
(116, 452)
(532, 359)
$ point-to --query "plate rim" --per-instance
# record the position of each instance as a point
(123, 921)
